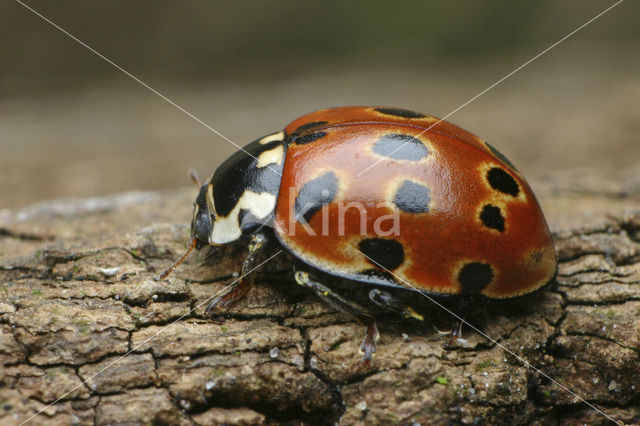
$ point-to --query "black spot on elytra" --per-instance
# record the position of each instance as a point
(310, 125)
(412, 197)
(501, 156)
(502, 181)
(474, 277)
(401, 147)
(491, 217)
(315, 194)
(388, 254)
(309, 137)
(239, 173)
(404, 113)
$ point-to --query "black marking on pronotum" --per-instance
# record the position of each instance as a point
(309, 137)
(501, 156)
(248, 222)
(474, 277)
(388, 254)
(399, 146)
(239, 173)
(502, 181)
(315, 194)
(404, 113)
(412, 197)
(310, 125)
(491, 217)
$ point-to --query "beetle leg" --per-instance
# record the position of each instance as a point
(454, 332)
(442, 332)
(386, 300)
(212, 254)
(240, 287)
(455, 335)
(369, 343)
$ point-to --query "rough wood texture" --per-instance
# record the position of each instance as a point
(77, 294)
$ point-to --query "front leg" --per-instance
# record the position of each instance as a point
(239, 288)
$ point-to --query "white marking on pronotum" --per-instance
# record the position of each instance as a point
(227, 229)
(272, 156)
(210, 202)
(270, 138)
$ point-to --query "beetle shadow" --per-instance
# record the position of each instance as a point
(438, 310)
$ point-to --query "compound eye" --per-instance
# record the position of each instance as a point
(203, 227)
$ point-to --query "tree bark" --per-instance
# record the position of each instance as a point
(89, 336)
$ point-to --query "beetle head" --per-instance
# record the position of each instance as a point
(203, 218)
(201, 224)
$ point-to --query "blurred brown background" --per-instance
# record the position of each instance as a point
(71, 125)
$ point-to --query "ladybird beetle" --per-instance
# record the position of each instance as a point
(460, 218)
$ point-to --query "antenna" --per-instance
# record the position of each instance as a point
(170, 269)
(193, 174)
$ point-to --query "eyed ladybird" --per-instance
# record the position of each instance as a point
(384, 197)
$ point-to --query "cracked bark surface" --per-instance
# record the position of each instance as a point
(77, 294)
